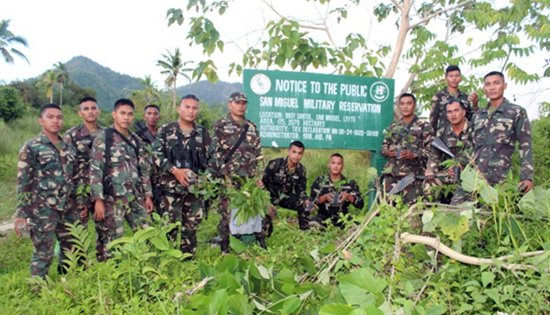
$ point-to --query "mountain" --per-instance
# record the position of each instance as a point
(108, 84)
(213, 94)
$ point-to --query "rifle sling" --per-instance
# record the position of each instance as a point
(237, 144)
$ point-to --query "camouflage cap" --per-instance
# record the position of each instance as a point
(238, 97)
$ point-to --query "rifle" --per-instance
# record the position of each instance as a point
(442, 147)
(406, 182)
(143, 131)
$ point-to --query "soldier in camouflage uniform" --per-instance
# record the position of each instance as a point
(456, 136)
(147, 133)
(496, 129)
(44, 184)
(233, 160)
(119, 178)
(334, 193)
(285, 179)
(406, 145)
(438, 116)
(181, 153)
(82, 137)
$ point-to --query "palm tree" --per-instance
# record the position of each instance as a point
(48, 80)
(7, 39)
(61, 76)
(150, 92)
(173, 67)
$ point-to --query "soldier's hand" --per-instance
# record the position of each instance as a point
(19, 224)
(391, 153)
(84, 213)
(181, 176)
(346, 196)
(525, 186)
(272, 211)
(326, 198)
(149, 204)
(99, 210)
(407, 155)
(474, 99)
(260, 183)
(429, 173)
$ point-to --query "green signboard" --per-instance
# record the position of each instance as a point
(322, 111)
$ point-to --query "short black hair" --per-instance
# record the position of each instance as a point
(190, 97)
(151, 106)
(500, 74)
(123, 101)
(455, 100)
(43, 108)
(87, 99)
(336, 155)
(452, 68)
(297, 144)
(408, 95)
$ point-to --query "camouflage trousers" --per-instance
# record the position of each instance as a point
(461, 196)
(188, 210)
(112, 226)
(293, 202)
(409, 194)
(47, 226)
(225, 233)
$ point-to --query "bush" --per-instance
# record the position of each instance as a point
(11, 106)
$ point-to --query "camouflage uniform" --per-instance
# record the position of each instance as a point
(324, 185)
(155, 171)
(416, 137)
(494, 137)
(242, 164)
(173, 148)
(43, 188)
(122, 186)
(287, 188)
(82, 140)
(460, 145)
(438, 114)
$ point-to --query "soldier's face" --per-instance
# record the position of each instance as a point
(51, 121)
(151, 116)
(123, 117)
(455, 113)
(453, 78)
(188, 110)
(335, 165)
(406, 105)
(89, 111)
(237, 109)
(295, 154)
(494, 87)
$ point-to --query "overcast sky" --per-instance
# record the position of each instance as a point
(130, 36)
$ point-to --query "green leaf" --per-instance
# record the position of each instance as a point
(335, 309)
(454, 226)
(264, 272)
(218, 303)
(292, 304)
(471, 180)
(161, 243)
(237, 245)
(487, 278)
(361, 287)
(489, 194)
(493, 294)
(436, 310)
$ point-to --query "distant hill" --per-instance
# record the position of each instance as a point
(213, 94)
(110, 85)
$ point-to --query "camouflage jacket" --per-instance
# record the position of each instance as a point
(460, 145)
(128, 171)
(155, 171)
(280, 181)
(324, 185)
(438, 114)
(173, 148)
(82, 140)
(44, 175)
(494, 139)
(244, 161)
(416, 137)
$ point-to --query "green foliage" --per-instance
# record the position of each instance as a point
(11, 105)
(249, 200)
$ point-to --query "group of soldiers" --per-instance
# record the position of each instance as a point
(117, 176)
(423, 155)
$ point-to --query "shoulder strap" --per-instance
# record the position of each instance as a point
(237, 144)
(108, 145)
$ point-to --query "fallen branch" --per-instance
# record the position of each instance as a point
(437, 245)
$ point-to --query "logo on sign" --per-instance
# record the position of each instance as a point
(260, 84)
(379, 91)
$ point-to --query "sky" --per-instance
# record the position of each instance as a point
(130, 36)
